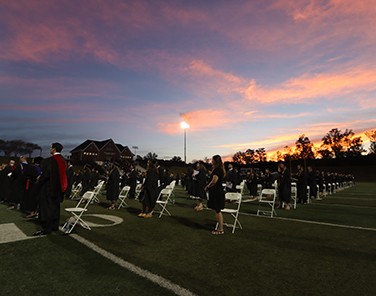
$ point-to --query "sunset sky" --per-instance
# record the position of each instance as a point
(243, 74)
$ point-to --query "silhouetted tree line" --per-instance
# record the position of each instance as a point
(335, 145)
(18, 147)
(174, 161)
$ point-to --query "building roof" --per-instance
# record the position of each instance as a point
(99, 145)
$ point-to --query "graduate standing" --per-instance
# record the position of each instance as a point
(53, 182)
(150, 190)
(216, 200)
(112, 187)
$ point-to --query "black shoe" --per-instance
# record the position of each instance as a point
(40, 232)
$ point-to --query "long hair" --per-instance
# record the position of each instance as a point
(202, 165)
(217, 163)
(151, 165)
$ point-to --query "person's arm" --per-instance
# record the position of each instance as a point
(212, 182)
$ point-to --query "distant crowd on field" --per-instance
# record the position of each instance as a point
(21, 185)
(19, 181)
(310, 183)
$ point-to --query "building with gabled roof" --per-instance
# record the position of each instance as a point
(107, 150)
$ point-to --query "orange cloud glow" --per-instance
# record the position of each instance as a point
(307, 87)
(200, 120)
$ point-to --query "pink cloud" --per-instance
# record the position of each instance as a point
(201, 69)
(310, 87)
(43, 31)
(254, 115)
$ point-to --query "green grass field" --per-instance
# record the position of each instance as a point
(327, 247)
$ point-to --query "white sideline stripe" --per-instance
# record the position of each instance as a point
(342, 205)
(314, 222)
(162, 282)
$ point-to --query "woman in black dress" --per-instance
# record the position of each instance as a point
(150, 190)
(216, 200)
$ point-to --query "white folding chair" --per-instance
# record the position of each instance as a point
(123, 195)
(318, 192)
(234, 198)
(240, 187)
(308, 194)
(267, 197)
(137, 191)
(259, 189)
(77, 212)
(96, 191)
(76, 190)
(172, 187)
(294, 194)
(334, 189)
(162, 201)
(330, 189)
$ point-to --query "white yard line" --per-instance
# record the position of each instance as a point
(160, 281)
(313, 222)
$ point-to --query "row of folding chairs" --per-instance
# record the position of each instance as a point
(163, 199)
(77, 190)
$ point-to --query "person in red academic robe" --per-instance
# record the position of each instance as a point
(53, 182)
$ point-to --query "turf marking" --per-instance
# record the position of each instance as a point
(9, 232)
(313, 222)
(162, 282)
(114, 219)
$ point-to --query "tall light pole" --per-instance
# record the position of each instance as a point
(184, 126)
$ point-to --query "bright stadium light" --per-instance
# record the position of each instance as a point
(185, 126)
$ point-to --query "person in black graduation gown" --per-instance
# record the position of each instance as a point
(27, 189)
(86, 180)
(301, 185)
(112, 186)
(2, 177)
(232, 178)
(251, 181)
(200, 182)
(5, 181)
(70, 173)
(268, 180)
(53, 182)
(149, 190)
(32, 201)
(132, 182)
(284, 185)
(19, 187)
(216, 200)
(312, 182)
